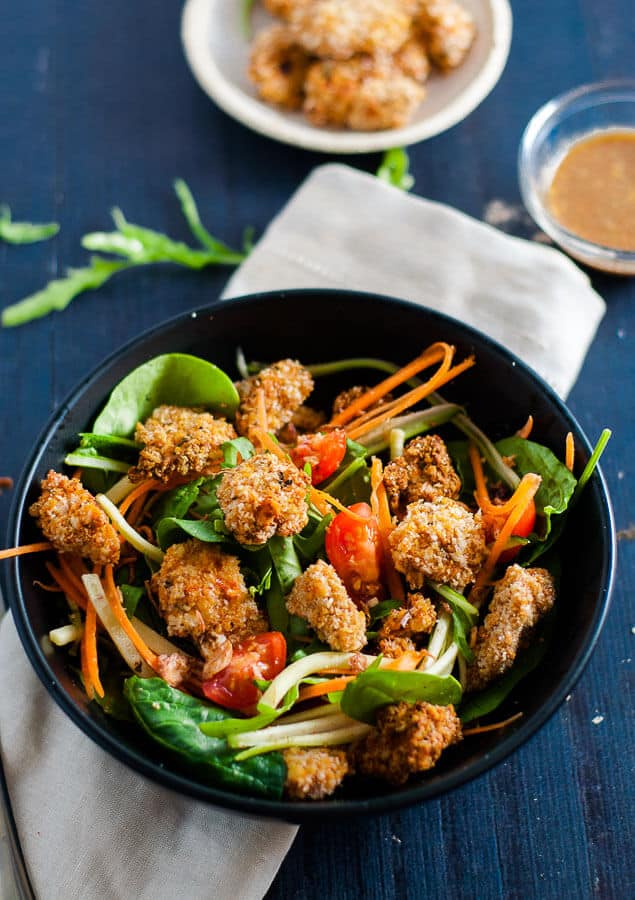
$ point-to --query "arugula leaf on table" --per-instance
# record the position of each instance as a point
(24, 232)
(136, 244)
(395, 169)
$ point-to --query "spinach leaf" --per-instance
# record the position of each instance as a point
(170, 531)
(175, 504)
(558, 484)
(110, 445)
(382, 609)
(240, 446)
(310, 542)
(58, 293)
(206, 504)
(173, 378)
(24, 232)
(486, 701)
(173, 719)
(132, 595)
(394, 169)
(89, 458)
(285, 561)
(376, 688)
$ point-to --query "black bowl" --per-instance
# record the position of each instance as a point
(499, 393)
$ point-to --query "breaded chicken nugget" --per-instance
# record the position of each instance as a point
(319, 596)
(278, 67)
(338, 29)
(519, 601)
(263, 496)
(179, 441)
(285, 385)
(412, 58)
(448, 30)
(408, 738)
(314, 772)
(284, 8)
(363, 93)
(71, 520)
(423, 472)
(201, 592)
(441, 540)
(345, 398)
(402, 625)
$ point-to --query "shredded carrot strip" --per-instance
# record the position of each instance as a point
(409, 399)
(261, 410)
(83, 651)
(494, 726)
(490, 510)
(524, 495)
(325, 687)
(526, 430)
(434, 353)
(24, 549)
(150, 485)
(69, 572)
(135, 513)
(51, 588)
(75, 596)
(381, 509)
(569, 457)
(407, 661)
(114, 598)
(89, 650)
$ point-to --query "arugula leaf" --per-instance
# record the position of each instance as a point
(173, 719)
(375, 688)
(240, 446)
(262, 586)
(190, 213)
(58, 293)
(178, 379)
(394, 169)
(24, 232)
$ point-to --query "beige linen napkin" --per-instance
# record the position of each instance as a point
(91, 829)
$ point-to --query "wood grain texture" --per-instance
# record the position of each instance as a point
(97, 108)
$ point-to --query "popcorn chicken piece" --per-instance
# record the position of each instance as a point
(285, 384)
(319, 596)
(314, 772)
(278, 66)
(423, 472)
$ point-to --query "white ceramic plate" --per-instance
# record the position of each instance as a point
(218, 55)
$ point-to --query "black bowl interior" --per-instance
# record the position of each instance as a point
(314, 326)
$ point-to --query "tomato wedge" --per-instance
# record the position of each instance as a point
(523, 529)
(355, 551)
(262, 656)
(324, 452)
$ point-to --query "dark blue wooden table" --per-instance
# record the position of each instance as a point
(97, 108)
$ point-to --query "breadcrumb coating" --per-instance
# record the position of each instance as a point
(519, 601)
(412, 58)
(319, 596)
(284, 8)
(423, 472)
(441, 540)
(314, 772)
(409, 738)
(179, 441)
(402, 625)
(448, 30)
(286, 385)
(201, 592)
(345, 398)
(364, 93)
(263, 496)
(338, 29)
(278, 67)
(69, 517)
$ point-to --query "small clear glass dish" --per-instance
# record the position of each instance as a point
(560, 123)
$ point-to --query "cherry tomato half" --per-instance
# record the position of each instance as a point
(354, 550)
(323, 451)
(261, 656)
(523, 528)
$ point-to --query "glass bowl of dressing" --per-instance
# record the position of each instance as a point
(576, 169)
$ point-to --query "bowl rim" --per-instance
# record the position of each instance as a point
(255, 114)
(597, 93)
(297, 811)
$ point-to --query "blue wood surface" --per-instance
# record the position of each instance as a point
(97, 108)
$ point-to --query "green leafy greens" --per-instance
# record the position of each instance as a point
(136, 244)
(24, 232)
(395, 169)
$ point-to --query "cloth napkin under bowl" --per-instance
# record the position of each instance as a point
(90, 827)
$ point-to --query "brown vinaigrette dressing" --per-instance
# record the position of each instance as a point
(593, 191)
